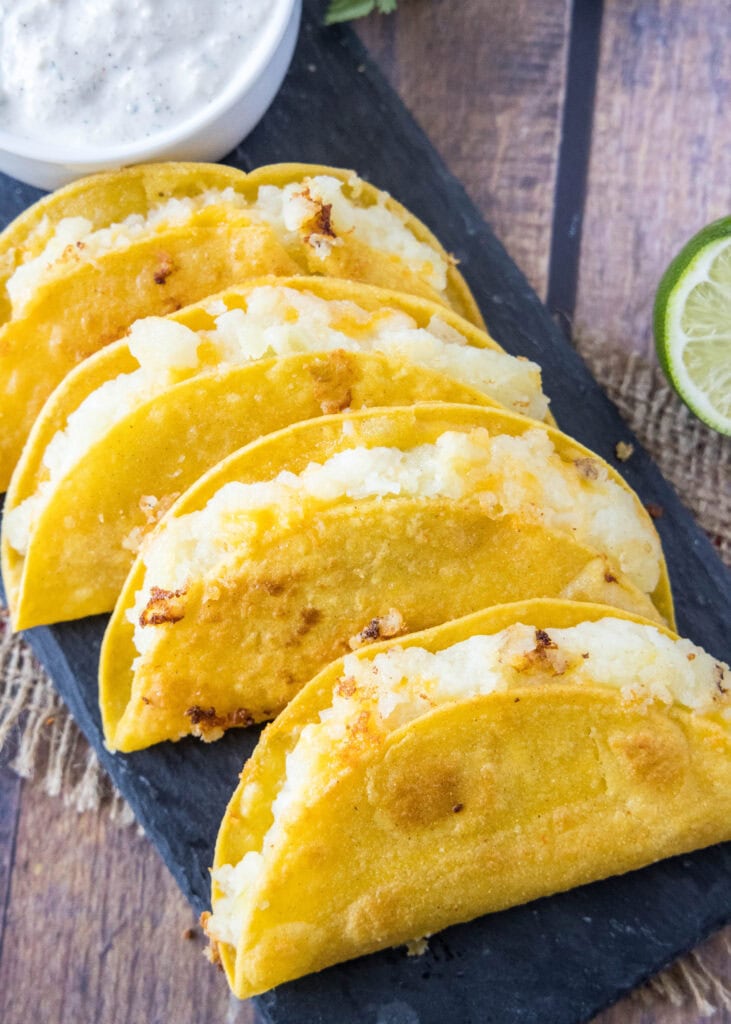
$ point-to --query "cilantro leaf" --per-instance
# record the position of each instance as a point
(345, 10)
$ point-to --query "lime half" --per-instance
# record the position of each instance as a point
(693, 324)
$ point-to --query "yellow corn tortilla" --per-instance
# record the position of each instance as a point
(235, 649)
(81, 304)
(480, 804)
(96, 514)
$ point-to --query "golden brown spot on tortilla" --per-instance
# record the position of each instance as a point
(145, 700)
(164, 269)
(333, 376)
(309, 617)
(382, 628)
(457, 808)
(163, 606)
(587, 468)
(658, 758)
(331, 408)
(610, 577)
(655, 511)
(207, 720)
(418, 798)
(273, 587)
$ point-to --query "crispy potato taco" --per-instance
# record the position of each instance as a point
(521, 751)
(82, 264)
(133, 426)
(351, 526)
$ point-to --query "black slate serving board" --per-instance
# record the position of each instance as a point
(555, 961)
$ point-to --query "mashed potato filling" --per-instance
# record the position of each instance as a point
(75, 238)
(385, 692)
(318, 212)
(278, 321)
(521, 475)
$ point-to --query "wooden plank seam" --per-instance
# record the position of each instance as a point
(573, 159)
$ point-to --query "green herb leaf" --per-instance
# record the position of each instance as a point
(346, 10)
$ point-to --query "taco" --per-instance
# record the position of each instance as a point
(133, 426)
(384, 520)
(521, 751)
(82, 264)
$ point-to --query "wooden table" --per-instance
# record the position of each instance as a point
(595, 139)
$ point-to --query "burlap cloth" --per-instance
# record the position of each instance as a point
(42, 742)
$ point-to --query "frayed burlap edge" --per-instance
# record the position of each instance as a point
(691, 984)
(44, 741)
(49, 747)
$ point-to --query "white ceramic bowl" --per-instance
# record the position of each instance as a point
(208, 135)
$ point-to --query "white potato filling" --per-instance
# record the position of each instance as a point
(400, 685)
(278, 321)
(295, 211)
(76, 238)
(521, 475)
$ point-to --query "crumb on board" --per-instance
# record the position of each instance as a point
(417, 947)
(624, 450)
(656, 511)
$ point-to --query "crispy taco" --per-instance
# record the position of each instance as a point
(82, 264)
(354, 525)
(521, 751)
(133, 426)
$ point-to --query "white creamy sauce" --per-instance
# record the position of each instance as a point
(95, 72)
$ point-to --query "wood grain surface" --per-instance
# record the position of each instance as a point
(485, 79)
(661, 150)
(92, 924)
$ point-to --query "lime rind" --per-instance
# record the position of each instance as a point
(692, 320)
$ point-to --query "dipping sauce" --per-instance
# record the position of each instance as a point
(101, 72)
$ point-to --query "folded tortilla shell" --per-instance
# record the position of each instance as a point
(235, 649)
(95, 515)
(80, 305)
(479, 804)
